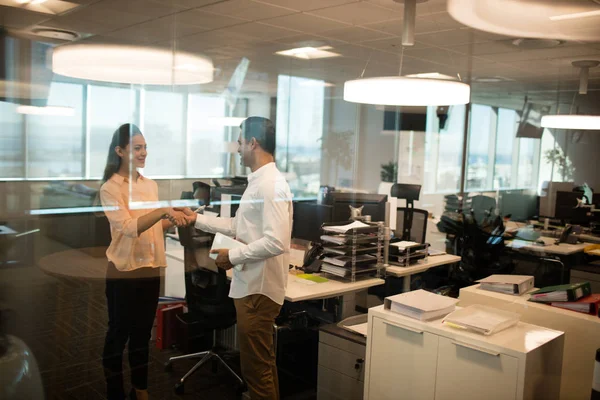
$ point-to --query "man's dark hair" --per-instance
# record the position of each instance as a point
(261, 129)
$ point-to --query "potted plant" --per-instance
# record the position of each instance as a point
(558, 159)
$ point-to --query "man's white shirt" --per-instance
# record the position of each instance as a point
(264, 222)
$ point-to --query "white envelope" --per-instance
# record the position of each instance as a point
(225, 242)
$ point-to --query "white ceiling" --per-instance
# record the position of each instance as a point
(366, 33)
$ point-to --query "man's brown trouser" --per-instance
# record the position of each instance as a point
(255, 319)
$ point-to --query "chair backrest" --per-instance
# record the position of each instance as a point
(483, 207)
(206, 291)
(418, 231)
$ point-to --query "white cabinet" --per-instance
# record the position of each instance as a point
(393, 341)
(582, 335)
(459, 362)
(417, 360)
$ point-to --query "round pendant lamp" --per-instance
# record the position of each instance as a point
(131, 64)
(406, 91)
(584, 122)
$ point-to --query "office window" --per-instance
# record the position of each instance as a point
(299, 127)
(163, 129)
(450, 145)
(527, 176)
(11, 142)
(505, 137)
(479, 147)
(208, 144)
(55, 144)
(547, 170)
(108, 108)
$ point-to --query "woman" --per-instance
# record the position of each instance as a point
(136, 254)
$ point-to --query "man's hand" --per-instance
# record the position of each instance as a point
(177, 218)
(190, 216)
(186, 210)
(222, 260)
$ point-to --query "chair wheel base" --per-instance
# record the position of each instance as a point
(241, 389)
(179, 388)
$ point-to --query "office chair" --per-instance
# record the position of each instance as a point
(209, 306)
(482, 208)
(418, 231)
(545, 271)
(410, 193)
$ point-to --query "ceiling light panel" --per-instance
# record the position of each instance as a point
(309, 53)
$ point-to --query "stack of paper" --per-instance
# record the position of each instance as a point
(507, 284)
(420, 304)
(345, 228)
(481, 319)
(346, 261)
(404, 245)
(335, 239)
(334, 270)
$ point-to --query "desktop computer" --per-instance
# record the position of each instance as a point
(522, 205)
(373, 205)
(548, 196)
(308, 219)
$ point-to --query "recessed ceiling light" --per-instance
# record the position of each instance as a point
(52, 33)
(49, 110)
(131, 64)
(490, 79)
(52, 7)
(535, 44)
(309, 53)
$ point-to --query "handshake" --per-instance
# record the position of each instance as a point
(180, 216)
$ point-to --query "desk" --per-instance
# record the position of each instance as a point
(420, 266)
(569, 254)
(582, 334)
(298, 289)
(563, 249)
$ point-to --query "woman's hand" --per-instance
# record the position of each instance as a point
(177, 218)
(190, 216)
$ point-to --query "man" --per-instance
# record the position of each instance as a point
(264, 222)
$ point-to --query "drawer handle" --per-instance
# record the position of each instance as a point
(406, 328)
(359, 363)
(468, 346)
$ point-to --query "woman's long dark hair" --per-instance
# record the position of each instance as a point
(121, 138)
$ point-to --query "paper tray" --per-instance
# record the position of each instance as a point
(481, 319)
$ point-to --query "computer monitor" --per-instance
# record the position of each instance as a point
(521, 205)
(373, 205)
(308, 219)
(566, 203)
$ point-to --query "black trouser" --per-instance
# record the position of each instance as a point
(132, 299)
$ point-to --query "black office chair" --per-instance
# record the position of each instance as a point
(418, 229)
(483, 208)
(209, 307)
